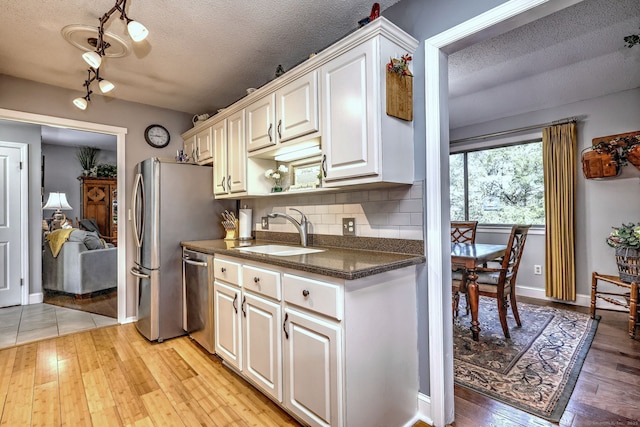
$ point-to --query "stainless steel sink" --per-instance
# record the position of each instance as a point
(278, 250)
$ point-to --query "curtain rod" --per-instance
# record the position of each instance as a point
(507, 132)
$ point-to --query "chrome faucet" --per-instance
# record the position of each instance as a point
(300, 226)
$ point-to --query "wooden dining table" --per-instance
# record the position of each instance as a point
(468, 256)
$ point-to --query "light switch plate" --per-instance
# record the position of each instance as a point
(348, 226)
(265, 222)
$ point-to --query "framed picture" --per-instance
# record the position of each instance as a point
(305, 175)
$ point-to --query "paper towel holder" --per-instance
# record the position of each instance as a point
(244, 216)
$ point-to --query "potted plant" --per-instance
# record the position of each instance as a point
(87, 156)
(626, 241)
(276, 176)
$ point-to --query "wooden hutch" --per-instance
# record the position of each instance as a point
(99, 201)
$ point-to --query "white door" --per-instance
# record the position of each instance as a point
(10, 226)
(312, 375)
(262, 345)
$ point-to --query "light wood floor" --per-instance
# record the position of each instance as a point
(113, 377)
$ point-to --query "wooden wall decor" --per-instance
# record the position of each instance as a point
(607, 154)
(400, 96)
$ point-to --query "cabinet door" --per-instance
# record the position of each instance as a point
(189, 148)
(312, 369)
(260, 123)
(236, 154)
(263, 344)
(350, 124)
(297, 105)
(97, 203)
(228, 323)
(220, 157)
(204, 145)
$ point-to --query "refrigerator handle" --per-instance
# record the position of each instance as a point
(137, 228)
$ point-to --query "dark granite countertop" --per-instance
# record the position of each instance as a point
(343, 263)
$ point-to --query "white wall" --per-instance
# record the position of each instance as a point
(600, 204)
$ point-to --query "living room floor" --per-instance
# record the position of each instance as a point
(22, 324)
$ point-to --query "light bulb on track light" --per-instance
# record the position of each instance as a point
(105, 85)
(137, 31)
(81, 103)
(92, 58)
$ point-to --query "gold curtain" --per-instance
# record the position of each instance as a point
(559, 163)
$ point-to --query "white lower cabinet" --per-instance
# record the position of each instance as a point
(228, 323)
(331, 352)
(312, 372)
(262, 351)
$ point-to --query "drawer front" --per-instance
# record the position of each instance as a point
(320, 297)
(227, 271)
(261, 281)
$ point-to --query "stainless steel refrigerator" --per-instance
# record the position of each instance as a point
(171, 202)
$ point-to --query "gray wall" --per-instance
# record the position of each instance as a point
(424, 19)
(600, 204)
(32, 97)
(30, 134)
(61, 172)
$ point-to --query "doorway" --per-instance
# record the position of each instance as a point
(89, 282)
(32, 250)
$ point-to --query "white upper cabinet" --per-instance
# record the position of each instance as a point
(297, 108)
(260, 123)
(361, 143)
(204, 147)
(289, 113)
(349, 131)
(334, 102)
(230, 159)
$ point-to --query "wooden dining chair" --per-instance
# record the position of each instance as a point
(463, 231)
(500, 282)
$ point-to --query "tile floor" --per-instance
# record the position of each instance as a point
(22, 324)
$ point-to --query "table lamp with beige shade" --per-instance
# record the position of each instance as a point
(57, 201)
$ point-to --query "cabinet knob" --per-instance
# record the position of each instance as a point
(256, 279)
(223, 269)
(305, 293)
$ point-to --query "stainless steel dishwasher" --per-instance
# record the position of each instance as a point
(198, 297)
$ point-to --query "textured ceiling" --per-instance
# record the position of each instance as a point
(200, 55)
(575, 54)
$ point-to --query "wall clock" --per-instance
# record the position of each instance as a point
(157, 136)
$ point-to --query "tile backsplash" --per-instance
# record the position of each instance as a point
(394, 212)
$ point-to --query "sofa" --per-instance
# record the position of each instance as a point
(83, 265)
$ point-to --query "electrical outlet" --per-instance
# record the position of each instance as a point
(348, 226)
(537, 269)
(265, 222)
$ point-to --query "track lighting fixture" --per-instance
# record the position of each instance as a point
(137, 32)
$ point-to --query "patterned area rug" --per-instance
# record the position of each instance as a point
(537, 369)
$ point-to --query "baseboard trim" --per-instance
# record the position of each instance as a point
(424, 410)
(582, 300)
(129, 320)
(36, 298)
